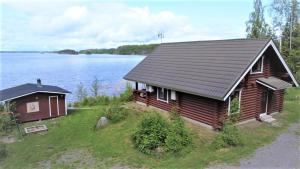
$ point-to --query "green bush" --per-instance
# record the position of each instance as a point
(2, 108)
(3, 151)
(151, 133)
(115, 113)
(177, 136)
(155, 132)
(94, 101)
(127, 96)
(228, 136)
(4, 121)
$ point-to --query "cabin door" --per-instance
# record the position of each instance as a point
(53, 106)
(264, 102)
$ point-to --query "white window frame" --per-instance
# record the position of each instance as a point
(261, 66)
(167, 101)
(229, 103)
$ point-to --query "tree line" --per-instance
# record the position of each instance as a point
(123, 50)
(284, 28)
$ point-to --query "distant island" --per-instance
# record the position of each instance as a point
(121, 50)
(67, 51)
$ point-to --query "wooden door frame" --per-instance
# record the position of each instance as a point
(267, 102)
(50, 111)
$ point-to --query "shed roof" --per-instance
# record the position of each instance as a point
(274, 83)
(28, 88)
(206, 68)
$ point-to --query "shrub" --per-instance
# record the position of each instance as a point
(93, 101)
(151, 133)
(3, 151)
(229, 136)
(115, 113)
(126, 96)
(81, 92)
(234, 110)
(2, 108)
(155, 132)
(4, 121)
(177, 136)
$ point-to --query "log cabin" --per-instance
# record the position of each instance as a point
(201, 78)
(34, 101)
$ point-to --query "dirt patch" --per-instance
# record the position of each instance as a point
(72, 159)
(251, 124)
(120, 167)
(44, 164)
(8, 139)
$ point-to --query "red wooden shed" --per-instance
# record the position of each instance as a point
(36, 101)
(201, 78)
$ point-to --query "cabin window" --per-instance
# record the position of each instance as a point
(162, 94)
(32, 107)
(238, 95)
(258, 66)
(142, 86)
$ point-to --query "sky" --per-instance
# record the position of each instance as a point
(46, 25)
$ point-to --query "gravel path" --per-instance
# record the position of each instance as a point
(283, 153)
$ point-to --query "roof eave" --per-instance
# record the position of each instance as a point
(179, 90)
(12, 98)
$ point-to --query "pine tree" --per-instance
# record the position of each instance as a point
(256, 26)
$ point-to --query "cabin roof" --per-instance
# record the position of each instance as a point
(27, 89)
(206, 68)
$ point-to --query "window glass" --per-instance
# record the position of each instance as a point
(162, 93)
(257, 67)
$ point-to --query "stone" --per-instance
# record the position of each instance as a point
(102, 122)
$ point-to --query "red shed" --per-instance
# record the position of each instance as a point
(36, 101)
(201, 78)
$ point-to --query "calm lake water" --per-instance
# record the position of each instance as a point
(67, 71)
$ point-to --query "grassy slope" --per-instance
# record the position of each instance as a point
(112, 144)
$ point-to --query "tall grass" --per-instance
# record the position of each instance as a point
(126, 96)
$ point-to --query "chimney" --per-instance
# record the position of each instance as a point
(39, 82)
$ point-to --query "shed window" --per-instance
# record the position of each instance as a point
(258, 66)
(162, 94)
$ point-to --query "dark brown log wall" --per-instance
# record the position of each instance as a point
(252, 92)
(43, 113)
(199, 108)
(191, 106)
(214, 112)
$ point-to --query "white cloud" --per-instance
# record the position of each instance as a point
(78, 25)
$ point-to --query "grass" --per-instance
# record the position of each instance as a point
(112, 146)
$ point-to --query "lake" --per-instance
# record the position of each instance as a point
(67, 71)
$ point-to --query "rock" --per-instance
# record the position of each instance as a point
(102, 122)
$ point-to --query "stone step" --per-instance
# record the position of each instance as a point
(267, 118)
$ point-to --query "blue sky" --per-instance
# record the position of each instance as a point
(54, 25)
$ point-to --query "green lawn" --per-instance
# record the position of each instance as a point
(72, 142)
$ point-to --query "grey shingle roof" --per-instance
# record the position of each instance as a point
(25, 89)
(205, 68)
(275, 83)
